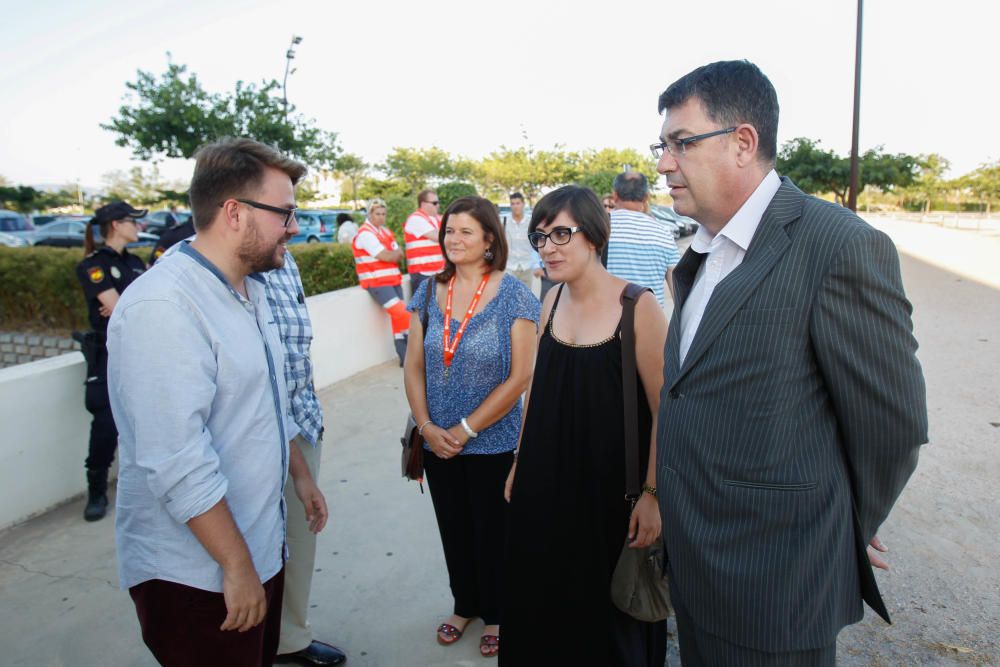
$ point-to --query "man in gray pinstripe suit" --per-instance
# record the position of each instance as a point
(793, 404)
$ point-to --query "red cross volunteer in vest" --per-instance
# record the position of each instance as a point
(376, 259)
(423, 247)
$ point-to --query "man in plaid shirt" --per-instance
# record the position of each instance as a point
(287, 299)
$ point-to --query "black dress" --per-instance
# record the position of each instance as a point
(569, 518)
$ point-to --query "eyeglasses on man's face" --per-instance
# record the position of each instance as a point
(287, 213)
(433, 203)
(678, 147)
(559, 236)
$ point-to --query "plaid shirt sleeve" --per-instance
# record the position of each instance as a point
(286, 297)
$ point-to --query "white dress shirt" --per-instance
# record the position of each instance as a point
(520, 255)
(725, 252)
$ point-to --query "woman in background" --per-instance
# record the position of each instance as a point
(104, 273)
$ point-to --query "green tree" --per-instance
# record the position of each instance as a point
(352, 168)
(813, 169)
(172, 115)
(595, 165)
(929, 183)
(372, 188)
(984, 183)
(526, 170)
(816, 170)
(423, 167)
(449, 192)
(142, 187)
(26, 199)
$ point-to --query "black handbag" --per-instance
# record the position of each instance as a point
(413, 443)
(638, 585)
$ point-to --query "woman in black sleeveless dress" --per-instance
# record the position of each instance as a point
(568, 515)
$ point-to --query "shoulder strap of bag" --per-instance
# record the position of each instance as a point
(633, 486)
(431, 286)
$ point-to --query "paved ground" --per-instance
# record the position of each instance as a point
(380, 585)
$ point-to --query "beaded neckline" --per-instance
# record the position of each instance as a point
(556, 338)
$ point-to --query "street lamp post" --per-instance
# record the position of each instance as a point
(289, 57)
(852, 198)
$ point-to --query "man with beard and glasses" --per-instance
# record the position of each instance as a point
(204, 437)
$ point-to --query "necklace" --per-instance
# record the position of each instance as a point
(450, 348)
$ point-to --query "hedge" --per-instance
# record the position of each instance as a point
(40, 289)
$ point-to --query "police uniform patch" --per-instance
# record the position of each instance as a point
(115, 273)
(96, 274)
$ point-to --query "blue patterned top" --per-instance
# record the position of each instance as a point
(481, 363)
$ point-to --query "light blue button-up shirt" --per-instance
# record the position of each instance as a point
(196, 387)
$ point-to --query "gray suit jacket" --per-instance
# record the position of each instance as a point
(791, 428)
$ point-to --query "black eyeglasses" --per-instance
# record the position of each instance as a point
(289, 213)
(559, 236)
(433, 203)
(679, 146)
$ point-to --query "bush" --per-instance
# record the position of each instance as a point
(399, 209)
(41, 290)
(449, 192)
(325, 266)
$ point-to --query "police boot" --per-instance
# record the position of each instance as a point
(97, 495)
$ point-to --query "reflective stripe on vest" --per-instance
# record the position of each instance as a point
(372, 271)
(423, 255)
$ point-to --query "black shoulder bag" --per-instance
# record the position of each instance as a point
(638, 586)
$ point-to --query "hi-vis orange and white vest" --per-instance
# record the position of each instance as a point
(373, 272)
(423, 255)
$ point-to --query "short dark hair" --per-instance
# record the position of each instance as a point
(422, 196)
(516, 195)
(582, 205)
(485, 213)
(231, 168)
(732, 92)
(631, 186)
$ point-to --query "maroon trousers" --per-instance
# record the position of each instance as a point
(180, 625)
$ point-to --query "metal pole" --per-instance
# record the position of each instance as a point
(852, 199)
(289, 56)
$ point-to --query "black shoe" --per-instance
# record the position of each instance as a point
(97, 495)
(97, 507)
(317, 653)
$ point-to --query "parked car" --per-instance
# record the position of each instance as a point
(11, 241)
(316, 226)
(156, 222)
(683, 224)
(16, 224)
(70, 233)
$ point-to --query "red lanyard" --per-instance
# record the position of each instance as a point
(449, 349)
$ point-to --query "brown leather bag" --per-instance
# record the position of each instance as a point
(413, 444)
(638, 585)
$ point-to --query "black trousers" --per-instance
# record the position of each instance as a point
(467, 492)
(103, 433)
(699, 648)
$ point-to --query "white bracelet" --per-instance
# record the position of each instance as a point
(468, 430)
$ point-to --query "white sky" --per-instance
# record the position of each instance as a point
(469, 76)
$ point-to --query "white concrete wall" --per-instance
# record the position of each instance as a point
(44, 427)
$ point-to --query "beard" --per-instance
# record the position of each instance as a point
(259, 256)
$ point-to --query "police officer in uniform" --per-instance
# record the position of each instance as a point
(104, 274)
